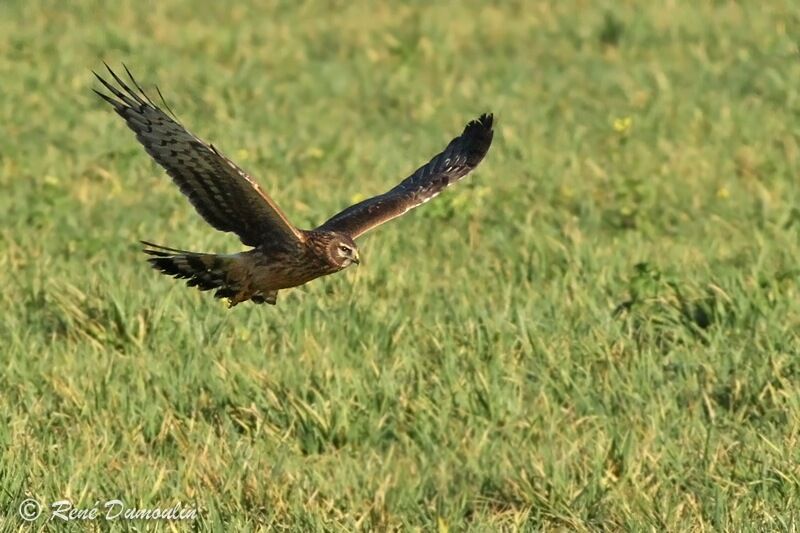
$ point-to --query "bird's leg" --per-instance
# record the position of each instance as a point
(269, 297)
(237, 298)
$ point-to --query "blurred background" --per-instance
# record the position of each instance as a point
(597, 328)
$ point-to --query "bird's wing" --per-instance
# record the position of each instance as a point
(224, 195)
(460, 157)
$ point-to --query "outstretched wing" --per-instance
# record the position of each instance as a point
(224, 195)
(459, 158)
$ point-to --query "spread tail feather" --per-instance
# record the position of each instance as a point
(204, 271)
(207, 271)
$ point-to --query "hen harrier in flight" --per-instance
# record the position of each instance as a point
(283, 256)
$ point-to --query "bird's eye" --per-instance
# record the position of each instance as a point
(344, 249)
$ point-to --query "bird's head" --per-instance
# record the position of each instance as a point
(342, 251)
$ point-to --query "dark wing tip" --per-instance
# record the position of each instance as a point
(127, 97)
(486, 120)
(477, 138)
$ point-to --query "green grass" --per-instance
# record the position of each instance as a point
(598, 329)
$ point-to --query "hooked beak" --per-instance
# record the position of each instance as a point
(357, 260)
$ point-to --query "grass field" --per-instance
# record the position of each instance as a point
(598, 329)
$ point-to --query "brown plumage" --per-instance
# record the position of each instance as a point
(283, 256)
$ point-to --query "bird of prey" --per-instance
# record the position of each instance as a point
(282, 256)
